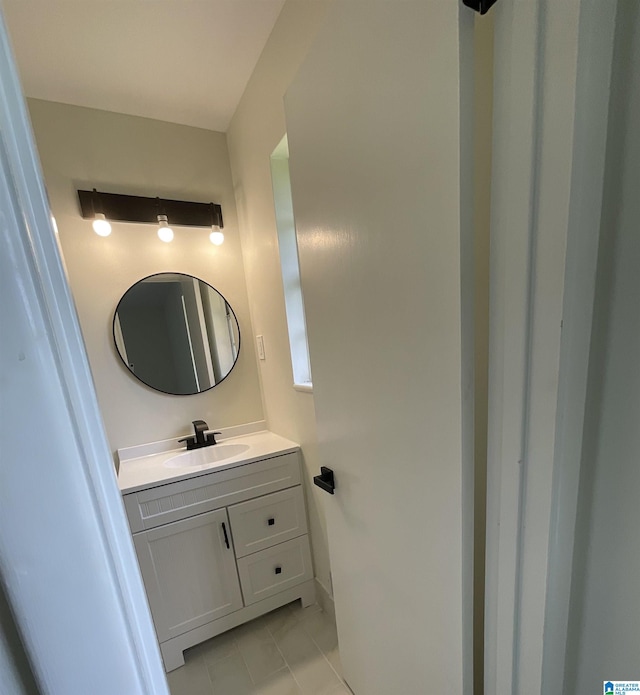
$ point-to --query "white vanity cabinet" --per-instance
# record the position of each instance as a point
(220, 548)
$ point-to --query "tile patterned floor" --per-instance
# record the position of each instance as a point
(291, 651)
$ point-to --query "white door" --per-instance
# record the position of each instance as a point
(189, 571)
(377, 162)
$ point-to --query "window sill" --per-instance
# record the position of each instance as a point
(305, 388)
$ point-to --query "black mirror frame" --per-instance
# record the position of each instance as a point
(129, 371)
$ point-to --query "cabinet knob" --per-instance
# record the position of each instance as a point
(271, 521)
(278, 570)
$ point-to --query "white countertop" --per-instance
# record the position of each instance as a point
(141, 472)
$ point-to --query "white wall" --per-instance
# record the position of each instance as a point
(604, 628)
(88, 148)
(256, 128)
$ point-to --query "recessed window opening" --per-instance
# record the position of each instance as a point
(290, 266)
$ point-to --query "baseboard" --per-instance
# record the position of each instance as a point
(325, 600)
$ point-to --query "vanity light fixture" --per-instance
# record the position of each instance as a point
(105, 208)
(216, 237)
(101, 225)
(165, 233)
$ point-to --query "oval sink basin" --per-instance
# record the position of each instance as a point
(206, 456)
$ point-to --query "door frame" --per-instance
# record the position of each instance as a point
(76, 626)
(551, 93)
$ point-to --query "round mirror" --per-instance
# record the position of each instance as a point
(176, 333)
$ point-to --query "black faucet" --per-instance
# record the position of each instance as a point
(201, 438)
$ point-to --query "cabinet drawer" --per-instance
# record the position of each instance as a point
(167, 503)
(273, 570)
(266, 521)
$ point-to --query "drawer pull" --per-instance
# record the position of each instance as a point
(226, 538)
(278, 570)
(271, 521)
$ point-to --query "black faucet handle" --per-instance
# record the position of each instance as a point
(211, 437)
(191, 441)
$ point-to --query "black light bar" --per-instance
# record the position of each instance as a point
(135, 208)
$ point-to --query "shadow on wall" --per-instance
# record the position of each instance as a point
(10, 639)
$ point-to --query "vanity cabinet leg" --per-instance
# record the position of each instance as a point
(172, 657)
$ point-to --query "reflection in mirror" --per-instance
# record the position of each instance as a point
(176, 333)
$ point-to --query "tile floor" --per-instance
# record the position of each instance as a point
(291, 651)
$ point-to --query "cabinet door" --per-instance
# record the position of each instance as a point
(189, 572)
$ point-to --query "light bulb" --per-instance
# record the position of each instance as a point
(216, 237)
(100, 225)
(165, 233)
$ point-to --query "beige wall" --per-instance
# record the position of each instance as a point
(87, 148)
(256, 128)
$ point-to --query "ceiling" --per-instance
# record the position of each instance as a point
(183, 61)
